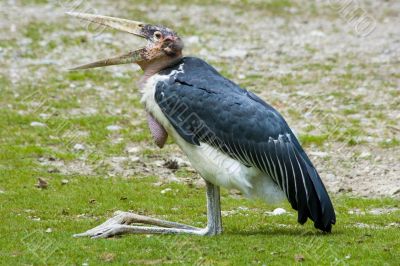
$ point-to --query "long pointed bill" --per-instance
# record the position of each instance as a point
(133, 27)
(128, 58)
(125, 25)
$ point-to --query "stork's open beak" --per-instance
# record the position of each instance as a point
(125, 25)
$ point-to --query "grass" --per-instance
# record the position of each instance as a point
(27, 212)
(37, 224)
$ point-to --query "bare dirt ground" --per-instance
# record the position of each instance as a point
(309, 61)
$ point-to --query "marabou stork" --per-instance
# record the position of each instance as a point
(231, 136)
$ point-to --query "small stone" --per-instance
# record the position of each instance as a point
(53, 170)
(200, 183)
(42, 183)
(38, 124)
(64, 181)
(181, 162)
(365, 155)
(49, 230)
(171, 164)
(298, 258)
(165, 190)
(319, 154)
(44, 116)
(356, 211)
(278, 211)
(114, 128)
(158, 163)
(134, 159)
(241, 76)
(317, 33)
(79, 147)
(2, 191)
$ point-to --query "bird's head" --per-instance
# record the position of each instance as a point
(163, 44)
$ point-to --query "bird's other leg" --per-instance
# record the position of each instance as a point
(120, 223)
(214, 220)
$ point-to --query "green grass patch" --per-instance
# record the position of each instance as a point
(28, 212)
(390, 143)
(308, 139)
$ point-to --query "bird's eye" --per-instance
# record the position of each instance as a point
(157, 35)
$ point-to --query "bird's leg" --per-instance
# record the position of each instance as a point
(214, 220)
(120, 223)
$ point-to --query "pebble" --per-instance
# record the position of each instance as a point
(38, 124)
(158, 163)
(365, 155)
(166, 190)
(134, 159)
(319, 154)
(317, 33)
(49, 230)
(199, 183)
(278, 211)
(113, 128)
(64, 181)
(42, 183)
(44, 116)
(181, 162)
(79, 147)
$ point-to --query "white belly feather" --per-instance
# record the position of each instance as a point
(213, 165)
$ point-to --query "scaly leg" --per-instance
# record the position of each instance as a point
(120, 223)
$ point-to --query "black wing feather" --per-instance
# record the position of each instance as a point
(205, 107)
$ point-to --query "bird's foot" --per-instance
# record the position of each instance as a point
(119, 218)
(120, 224)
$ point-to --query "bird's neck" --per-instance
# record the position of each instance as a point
(153, 67)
